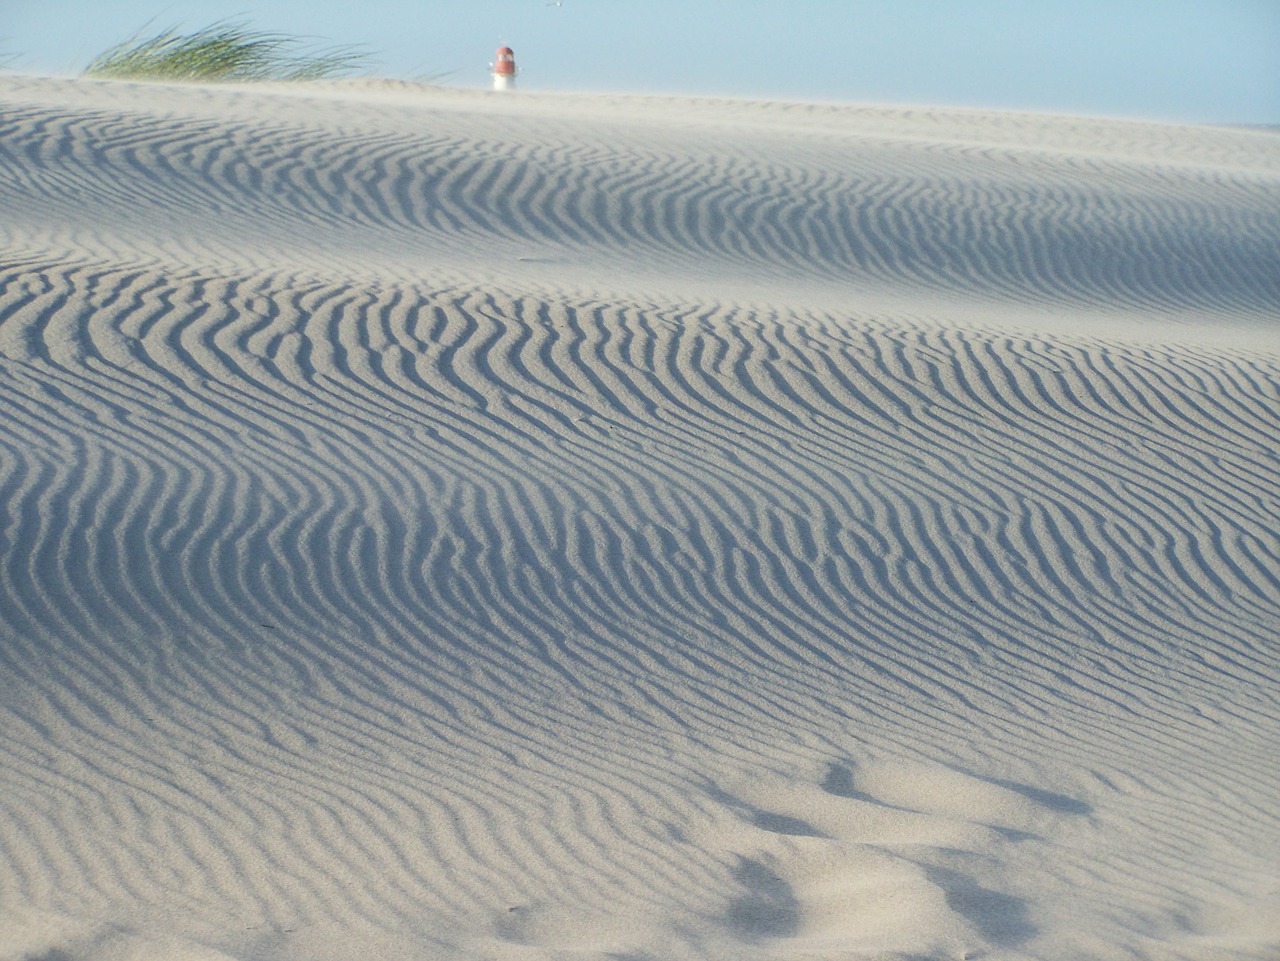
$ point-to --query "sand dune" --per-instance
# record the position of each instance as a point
(445, 525)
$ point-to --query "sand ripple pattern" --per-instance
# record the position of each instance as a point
(347, 605)
(891, 200)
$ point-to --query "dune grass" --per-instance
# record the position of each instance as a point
(226, 52)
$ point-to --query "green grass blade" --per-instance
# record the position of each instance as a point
(222, 52)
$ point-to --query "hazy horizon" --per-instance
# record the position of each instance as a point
(1188, 60)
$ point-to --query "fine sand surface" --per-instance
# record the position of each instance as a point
(445, 525)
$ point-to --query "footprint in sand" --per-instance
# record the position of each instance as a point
(886, 858)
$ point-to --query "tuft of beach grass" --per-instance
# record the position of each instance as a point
(227, 52)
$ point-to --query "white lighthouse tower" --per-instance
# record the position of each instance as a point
(503, 69)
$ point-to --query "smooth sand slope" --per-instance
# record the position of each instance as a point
(439, 525)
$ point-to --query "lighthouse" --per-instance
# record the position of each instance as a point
(503, 69)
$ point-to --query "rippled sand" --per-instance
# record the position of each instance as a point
(440, 525)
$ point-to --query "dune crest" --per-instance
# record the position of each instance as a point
(452, 526)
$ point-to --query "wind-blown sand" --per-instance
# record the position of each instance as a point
(447, 525)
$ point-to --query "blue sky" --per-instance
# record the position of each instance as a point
(1196, 60)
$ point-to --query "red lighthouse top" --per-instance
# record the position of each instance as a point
(504, 63)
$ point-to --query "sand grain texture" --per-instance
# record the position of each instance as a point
(443, 525)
